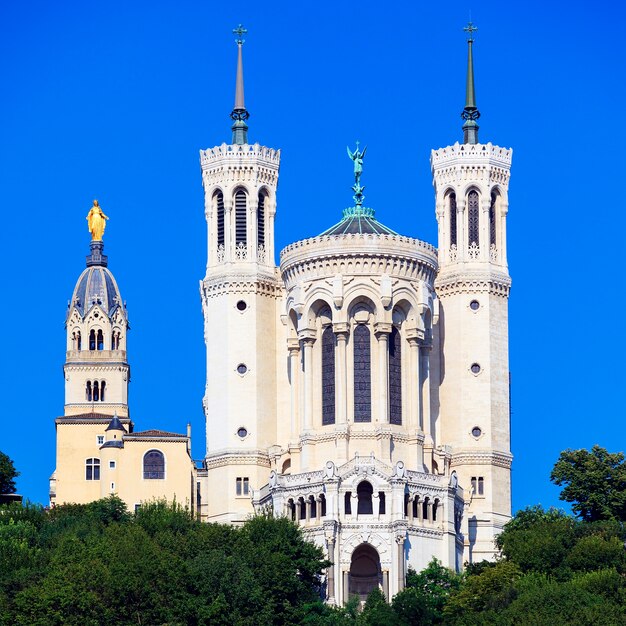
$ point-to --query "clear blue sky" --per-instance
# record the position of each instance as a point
(113, 100)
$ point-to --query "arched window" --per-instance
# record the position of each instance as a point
(381, 502)
(88, 392)
(322, 505)
(115, 340)
(415, 506)
(154, 465)
(435, 507)
(313, 506)
(472, 216)
(92, 469)
(362, 375)
(364, 494)
(92, 339)
(96, 391)
(302, 508)
(78, 341)
(347, 503)
(425, 507)
(328, 376)
(100, 340)
(291, 508)
(395, 377)
(452, 209)
(492, 219)
(102, 386)
(219, 205)
(241, 233)
(261, 219)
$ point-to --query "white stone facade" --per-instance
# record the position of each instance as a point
(362, 386)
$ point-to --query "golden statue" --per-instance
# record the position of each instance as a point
(96, 222)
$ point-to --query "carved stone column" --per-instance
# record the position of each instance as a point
(346, 586)
(461, 229)
(341, 376)
(307, 505)
(414, 378)
(382, 330)
(293, 347)
(307, 341)
(386, 584)
(298, 506)
(330, 529)
(485, 205)
(400, 538)
(425, 371)
(229, 241)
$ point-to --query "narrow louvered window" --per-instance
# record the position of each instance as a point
(362, 375)
(240, 218)
(328, 376)
(472, 213)
(261, 220)
(219, 201)
(452, 208)
(395, 377)
(492, 219)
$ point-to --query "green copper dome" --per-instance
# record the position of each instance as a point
(358, 220)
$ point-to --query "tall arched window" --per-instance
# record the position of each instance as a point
(154, 465)
(395, 377)
(92, 469)
(102, 386)
(92, 339)
(78, 341)
(100, 340)
(362, 375)
(96, 391)
(492, 219)
(261, 219)
(452, 209)
(88, 392)
(241, 233)
(328, 376)
(472, 216)
(364, 494)
(219, 206)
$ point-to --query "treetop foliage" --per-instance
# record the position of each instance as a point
(8, 474)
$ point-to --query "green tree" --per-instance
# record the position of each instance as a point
(8, 474)
(594, 482)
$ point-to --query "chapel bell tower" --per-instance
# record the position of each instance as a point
(239, 299)
(471, 182)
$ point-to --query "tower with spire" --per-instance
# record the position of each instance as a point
(240, 294)
(471, 181)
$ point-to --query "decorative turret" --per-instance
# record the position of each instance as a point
(239, 114)
(470, 112)
(471, 186)
(96, 370)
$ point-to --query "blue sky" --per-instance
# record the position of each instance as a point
(114, 100)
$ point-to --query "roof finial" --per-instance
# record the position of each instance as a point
(239, 114)
(470, 112)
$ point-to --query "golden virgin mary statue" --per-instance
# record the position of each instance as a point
(96, 222)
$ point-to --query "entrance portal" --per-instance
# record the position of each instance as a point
(365, 573)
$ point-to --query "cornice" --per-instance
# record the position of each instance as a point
(479, 457)
(223, 283)
(234, 457)
(464, 279)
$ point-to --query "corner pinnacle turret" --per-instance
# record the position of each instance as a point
(239, 114)
(470, 112)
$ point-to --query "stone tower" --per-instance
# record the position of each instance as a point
(471, 185)
(239, 300)
(97, 374)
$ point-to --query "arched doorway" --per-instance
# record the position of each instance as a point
(365, 572)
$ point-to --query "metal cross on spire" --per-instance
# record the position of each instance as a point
(470, 29)
(240, 31)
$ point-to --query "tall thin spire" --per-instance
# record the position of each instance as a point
(239, 114)
(470, 112)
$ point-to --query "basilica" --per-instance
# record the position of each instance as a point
(360, 387)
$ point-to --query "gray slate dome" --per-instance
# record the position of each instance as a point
(96, 285)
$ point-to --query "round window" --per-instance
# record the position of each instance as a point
(241, 368)
(474, 305)
(242, 433)
(476, 432)
(475, 368)
(241, 305)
